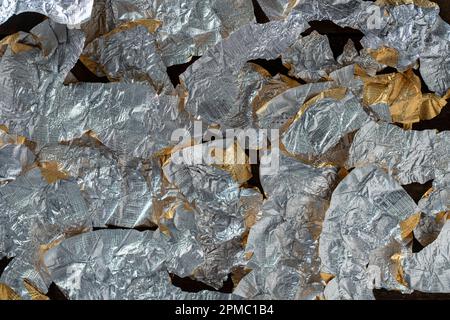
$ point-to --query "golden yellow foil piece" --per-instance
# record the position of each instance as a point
(400, 274)
(13, 42)
(407, 226)
(403, 93)
(385, 55)
(51, 172)
(419, 3)
(34, 293)
(6, 293)
(235, 161)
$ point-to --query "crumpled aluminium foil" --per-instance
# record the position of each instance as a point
(219, 200)
(410, 156)
(413, 29)
(434, 61)
(276, 112)
(35, 213)
(213, 83)
(283, 244)
(363, 219)
(14, 158)
(120, 195)
(320, 126)
(435, 206)
(213, 207)
(188, 27)
(428, 270)
(116, 265)
(30, 78)
(71, 12)
(138, 122)
(310, 58)
(351, 56)
(129, 55)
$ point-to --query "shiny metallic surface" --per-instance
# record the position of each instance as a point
(310, 58)
(120, 195)
(428, 270)
(283, 244)
(212, 82)
(188, 27)
(322, 125)
(410, 156)
(116, 265)
(107, 193)
(361, 227)
(70, 12)
(37, 213)
(276, 112)
(13, 160)
(129, 56)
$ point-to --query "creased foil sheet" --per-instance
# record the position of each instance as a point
(116, 265)
(121, 195)
(71, 12)
(310, 58)
(187, 27)
(410, 156)
(213, 82)
(435, 207)
(14, 158)
(128, 55)
(403, 93)
(363, 224)
(283, 244)
(35, 212)
(215, 207)
(428, 270)
(320, 125)
(212, 190)
(137, 124)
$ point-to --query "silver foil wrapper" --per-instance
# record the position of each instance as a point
(129, 55)
(137, 123)
(428, 270)
(34, 213)
(434, 205)
(188, 27)
(121, 195)
(71, 12)
(320, 127)
(116, 265)
(410, 156)
(283, 244)
(218, 198)
(275, 113)
(30, 79)
(361, 227)
(310, 58)
(212, 82)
